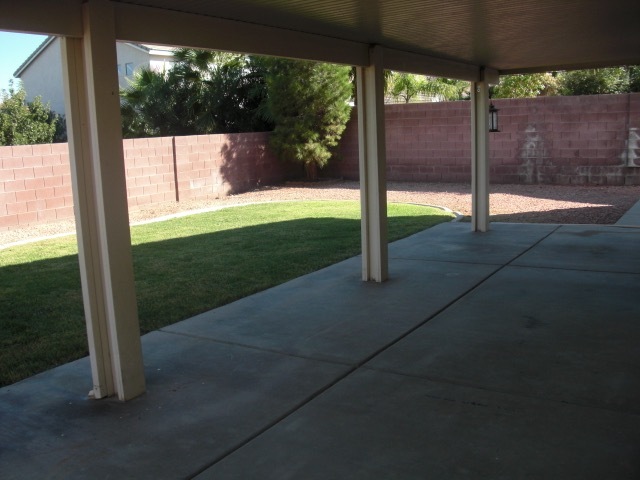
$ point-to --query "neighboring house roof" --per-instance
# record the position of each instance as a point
(150, 49)
(33, 56)
(154, 49)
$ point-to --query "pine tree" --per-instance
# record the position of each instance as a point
(308, 103)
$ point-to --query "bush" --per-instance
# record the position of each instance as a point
(524, 86)
(595, 81)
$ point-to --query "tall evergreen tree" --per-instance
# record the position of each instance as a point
(308, 103)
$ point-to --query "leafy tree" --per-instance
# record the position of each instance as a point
(634, 78)
(23, 123)
(205, 92)
(595, 81)
(408, 86)
(523, 86)
(60, 122)
(309, 104)
(452, 89)
(405, 86)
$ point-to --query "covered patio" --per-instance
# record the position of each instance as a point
(513, 354)
(473, 41)
(470, 350)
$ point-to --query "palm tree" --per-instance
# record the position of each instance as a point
(407, 87)
(205, 92)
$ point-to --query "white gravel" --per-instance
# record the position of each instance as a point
(509, 203)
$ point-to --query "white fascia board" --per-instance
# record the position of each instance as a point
(402, 61)
(166, 27)
(62, 17)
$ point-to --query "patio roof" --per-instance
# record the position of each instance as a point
(510, 37)
(470, 40)
(514, 36)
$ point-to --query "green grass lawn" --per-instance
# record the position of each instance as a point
(182, 267)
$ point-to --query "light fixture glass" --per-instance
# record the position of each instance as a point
(493, 118)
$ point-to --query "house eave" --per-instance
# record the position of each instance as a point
(41, 48)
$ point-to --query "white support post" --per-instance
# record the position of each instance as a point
(373, 182)
(100, 198)
(480, 155)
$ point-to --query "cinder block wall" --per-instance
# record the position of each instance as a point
(149, 169)
(35, 184)
(35, 180)
(213, 166)
(586, 140)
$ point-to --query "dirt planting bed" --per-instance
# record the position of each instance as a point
(508, 203)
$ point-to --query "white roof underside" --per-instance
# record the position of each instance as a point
(510, 36)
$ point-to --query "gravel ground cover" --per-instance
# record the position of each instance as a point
(508, 203)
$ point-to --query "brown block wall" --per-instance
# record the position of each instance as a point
(149, 169)
(35, 184)
(566, 140)
(213, 166)
(35, 180)
(586, 140)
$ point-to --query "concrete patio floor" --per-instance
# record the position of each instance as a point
(509, 354)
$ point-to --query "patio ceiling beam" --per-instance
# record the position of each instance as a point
(197, 31)
(372, 159)
(403, 61)
(100, 197)
(571, 66)
(169, 27)
(63, 17)
(480, 155)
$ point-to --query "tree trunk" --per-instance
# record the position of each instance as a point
(312, 171)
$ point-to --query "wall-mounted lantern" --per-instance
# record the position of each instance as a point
(493, 118)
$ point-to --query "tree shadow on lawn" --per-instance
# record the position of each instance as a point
(42, 320)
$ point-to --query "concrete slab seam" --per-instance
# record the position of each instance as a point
(250, 347)
(430, 260)
(272, 423)
(340, 378)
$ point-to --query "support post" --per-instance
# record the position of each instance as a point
(372, 156)
(480, 155)
(100, 199)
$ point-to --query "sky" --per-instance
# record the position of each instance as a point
(14, 49)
